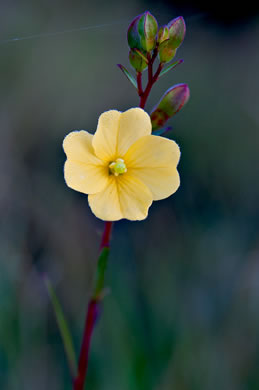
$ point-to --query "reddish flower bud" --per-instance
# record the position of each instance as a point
(177, 31)
(170, 103)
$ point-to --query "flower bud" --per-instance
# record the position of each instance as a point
(137, 61)
(162, 34)
(133, 34)
(142, 32)
(177, 31)
(148, 29)
(166, 51)
(170, 103)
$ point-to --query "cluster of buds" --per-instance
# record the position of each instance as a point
(145, 40)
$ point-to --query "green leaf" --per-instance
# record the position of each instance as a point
(101, 268)
(170, 67)
(128, 75)
(63, 328)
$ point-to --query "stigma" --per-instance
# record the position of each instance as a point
(117, 167)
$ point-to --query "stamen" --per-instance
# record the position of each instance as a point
(117, 167)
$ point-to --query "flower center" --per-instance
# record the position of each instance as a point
(117, 167)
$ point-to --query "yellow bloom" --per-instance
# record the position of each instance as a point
(122, 167)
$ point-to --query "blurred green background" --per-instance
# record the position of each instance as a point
(183, 312)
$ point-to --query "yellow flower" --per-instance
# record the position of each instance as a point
(122, 167)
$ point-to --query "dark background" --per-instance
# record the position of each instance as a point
(183, 312)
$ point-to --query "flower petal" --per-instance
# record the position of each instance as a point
(134, 124)
(124, 197)
(78, 147)
(83, 171)
(153, 160)
(85, 178)
(106, 205)
(135, 197)
(117, 131)
(105, 137)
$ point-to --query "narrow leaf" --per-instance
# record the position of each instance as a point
(170, 67)
(128, 75)
(63, 328)
(101, 268)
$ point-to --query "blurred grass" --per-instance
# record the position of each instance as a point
(183, 308)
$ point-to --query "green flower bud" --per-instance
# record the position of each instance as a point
(166, 51)
(142, 32)
(147, 28)
(177, 31)
(133, 34)
(162, 34)
(137, 61)
(170, 103)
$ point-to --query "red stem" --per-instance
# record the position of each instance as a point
(151, 81)
(91, 317)
(139, 82)
(105, 243)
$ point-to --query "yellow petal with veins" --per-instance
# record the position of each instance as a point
(117, 131)
(78, 147)
(85, 178)
(135, 197)
(105, 205)
(153, 160)
(105, 137)
(83, 171)
(124, 197)
(134, 124)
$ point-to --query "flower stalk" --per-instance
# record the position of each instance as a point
(145, 46)
(152, 78)
(93, 309)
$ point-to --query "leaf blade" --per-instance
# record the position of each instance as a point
(63, 327)
(170, 67)
(128, 75)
